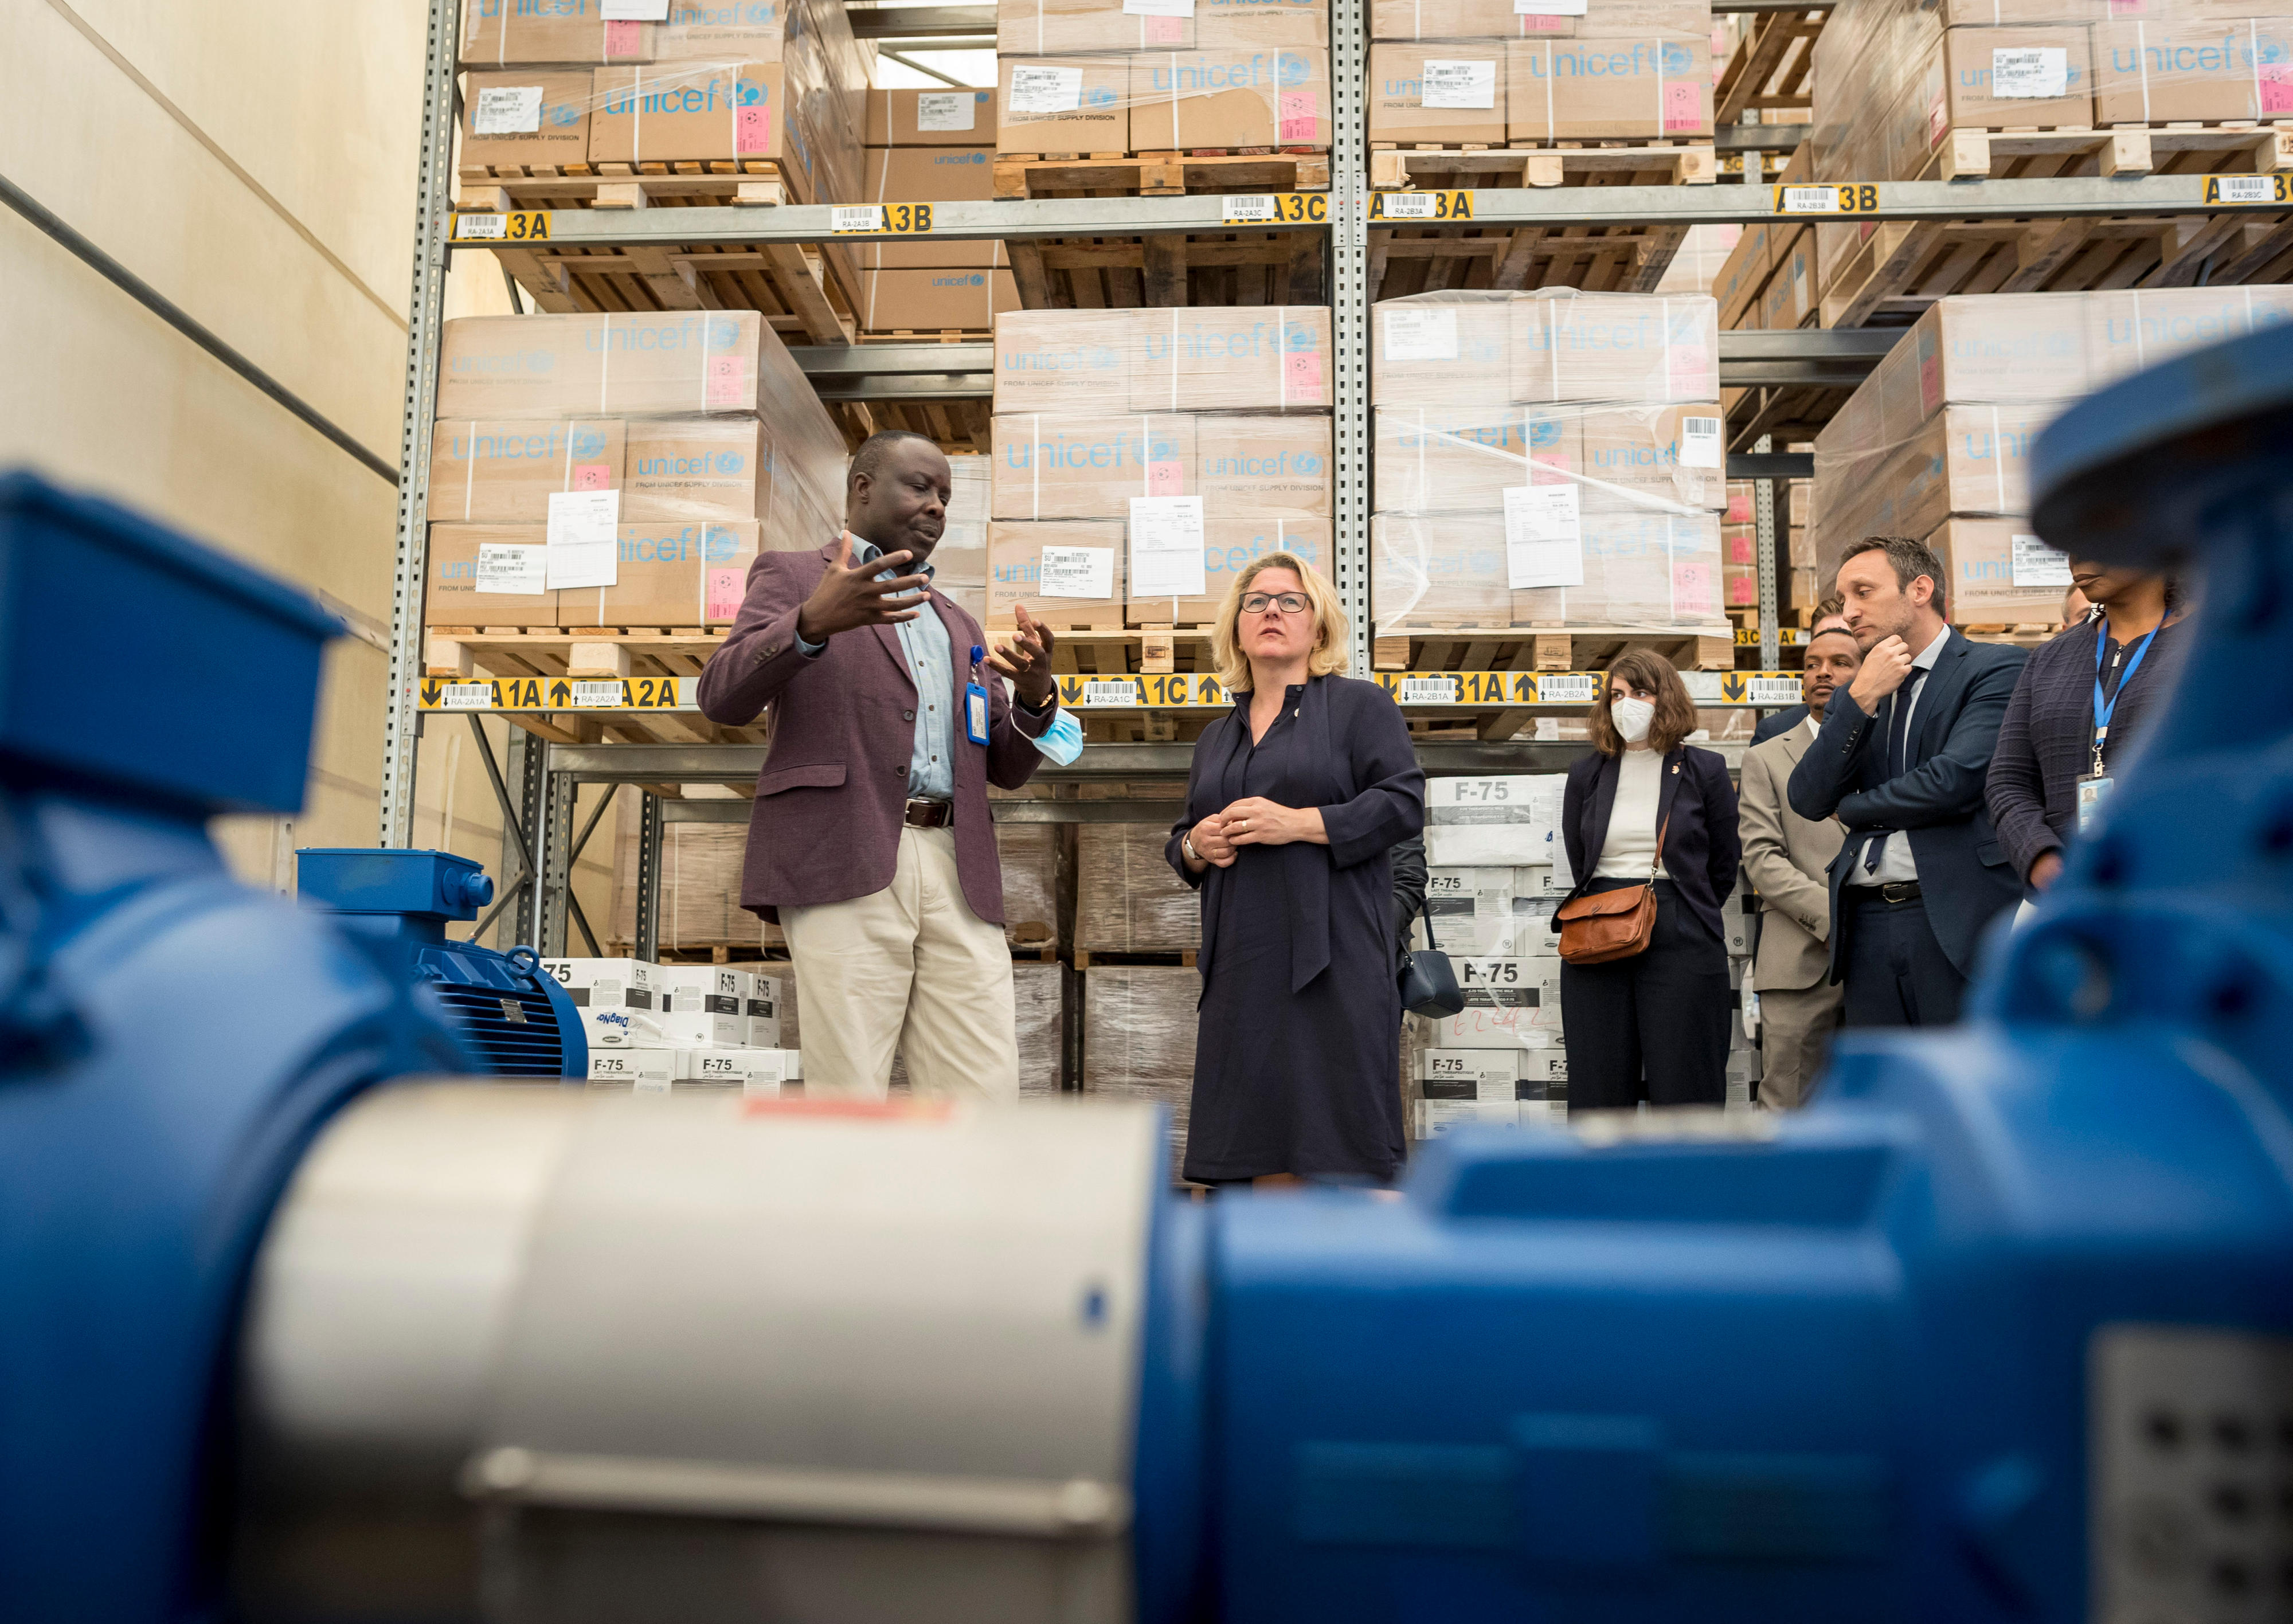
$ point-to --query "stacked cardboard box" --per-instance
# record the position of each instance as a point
(616, 470)
(1128, 898)
(1936, 443)
(554, 86)
(931, 146)
(959, 561)
(1447, 73)
(1550, 459)
(1139, 1039)
(1142, 458)
(1100, 76)
(657, 1028)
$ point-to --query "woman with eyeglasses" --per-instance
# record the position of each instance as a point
(1296, 797)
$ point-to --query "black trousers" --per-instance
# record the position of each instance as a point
(1653, 1026)
(1897, 974)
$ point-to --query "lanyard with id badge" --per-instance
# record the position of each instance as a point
(2094, 786)
(974, 700)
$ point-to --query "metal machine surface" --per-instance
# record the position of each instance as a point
(2001, 1330)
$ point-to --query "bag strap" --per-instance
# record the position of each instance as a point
(1426, 914)
(1660, 834)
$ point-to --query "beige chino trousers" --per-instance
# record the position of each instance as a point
(1797, 1027)
(912, 971)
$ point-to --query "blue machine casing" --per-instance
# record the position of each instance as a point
(513, 1016)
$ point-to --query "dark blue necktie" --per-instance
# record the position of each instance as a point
(1898, 752)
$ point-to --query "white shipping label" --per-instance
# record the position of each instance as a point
(1079, 571)
(633, 10)
(1166, 546)
(1543, 542)
(856, 217)
(2037, 71)
(584, 536)
(1470, 85)
(2036, 565)
(2245, 189)
(1421, 335)
(1158, 8)
(1700, 442)
(951, 111)
(573, 565)
(507, 110)
(1041, 88)
(523, 570)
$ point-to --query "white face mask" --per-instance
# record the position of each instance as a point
(1632, 717)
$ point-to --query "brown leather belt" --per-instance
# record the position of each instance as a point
(1894, 893)
(928, 813)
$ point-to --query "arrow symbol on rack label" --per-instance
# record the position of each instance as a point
(561, 693)
(1732, 687)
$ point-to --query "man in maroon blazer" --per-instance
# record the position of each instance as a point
(870, 841)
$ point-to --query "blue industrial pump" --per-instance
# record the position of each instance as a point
(512, 1015)
(2000, 1329)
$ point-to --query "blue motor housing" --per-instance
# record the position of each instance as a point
(516, 1019)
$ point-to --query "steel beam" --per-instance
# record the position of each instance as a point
(737, 763)
(922, 22)
(1771, 465)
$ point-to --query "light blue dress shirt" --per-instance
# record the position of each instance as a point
(931, 765)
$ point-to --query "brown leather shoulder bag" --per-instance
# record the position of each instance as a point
(1615, 924)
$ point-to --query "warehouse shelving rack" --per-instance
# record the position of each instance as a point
(537, 785)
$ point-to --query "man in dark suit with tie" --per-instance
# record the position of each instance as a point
(1777, 723)
(1900, 762)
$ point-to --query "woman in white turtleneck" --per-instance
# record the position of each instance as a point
(1653, 1026)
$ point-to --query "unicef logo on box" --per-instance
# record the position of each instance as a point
(563, 116)
(1677, 57)
(541, 361)
(746, 93)
(724, 334)
(731, 462)
(1099, 98)
(588, 443)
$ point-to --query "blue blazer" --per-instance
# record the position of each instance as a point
(1964, 874)
(1701, 850)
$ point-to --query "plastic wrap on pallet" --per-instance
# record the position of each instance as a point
(1460, 19)
(504, 33)
(1635, 569)
(1063, 28)
(1138, 1038)
(1451, 92)
(1238, 94)
(1029, 854)
(1127, 898)
(959, 561)
(1241, 358)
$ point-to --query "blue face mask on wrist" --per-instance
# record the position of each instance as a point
(1062, 741)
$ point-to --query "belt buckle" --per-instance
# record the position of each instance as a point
(1895, 891)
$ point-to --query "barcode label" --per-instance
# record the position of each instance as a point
(1811, 199)
(596, 694)
(857, 217)
(1243, 209)
(1408, 205)
(1568, 687)
(1114, 692)
(1429, 690)
(468, 696)
(481, 227)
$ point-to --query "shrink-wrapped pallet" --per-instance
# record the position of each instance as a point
(959, 561)
(1128, 899)
(1231, 94)
(1029, 854)
(1139, 1039)
(1255, 358)
(1039, 1007)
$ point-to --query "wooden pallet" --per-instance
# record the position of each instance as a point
(1106, 958)
(1770, 66)
(1598, 259)
(716, 182)
(1575, 648)
(1159, 174)
(1903, 266)
(1154, 272)
(786, 281)
(955, 426)
(552, 651)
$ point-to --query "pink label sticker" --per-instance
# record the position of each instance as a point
(1166, 31)
(592, 476)
(1691, 373)
(1166, 479)
(1691, 590)
(2276, 80)
(1741, 589)
(625, 39)
(1557, 461)
(1743, 549)
(2129, 8)
(1301, 375)
(1540, 25)
(724, 594)
(1740, 508)
(1683, 105)
(1938, 121)
(1300, 110)
(752, 130)
(728, 380)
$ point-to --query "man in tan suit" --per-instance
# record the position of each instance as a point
(1788, 859)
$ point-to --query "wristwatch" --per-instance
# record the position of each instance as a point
(1186, 845)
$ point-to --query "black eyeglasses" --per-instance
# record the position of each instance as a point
(1289, 602)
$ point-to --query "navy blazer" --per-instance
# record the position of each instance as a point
(1701, 850)
(1964, 874)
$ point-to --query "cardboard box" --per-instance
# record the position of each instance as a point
(451, 595)
(1230, 358)
(930, 174)
(1469, 910)
(939, 298)
(653, 1069)
(1421, 19)
(687, 113)
(1596, 346)
(687, 468)
(525, 117)
(1063, 28)
(1978, 555)
(1510, 1003)
(1970, 98)
(704, 1004)
(1743, 275)
(723, 31)
(2193, 69)
(1229, 546)
(757, 1072)
(485, 473)
(1431, 459)
(1015, 572)
(1428, 350)
(1641, 568)
(1468, 74)
(1056, 466)
(1570, 89)
(1789, 298)
(616, 998)
(1301, 24)
(1666, 453)
(1264, 467)
(1063, 360)
(1239, 96)
(941, 117)
(669, 573)
(636, 363)
(1488, 1076)
(502, 33)
(2132, 329)
(1064, 104)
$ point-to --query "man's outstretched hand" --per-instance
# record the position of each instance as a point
(850, 596)
(1026, 660)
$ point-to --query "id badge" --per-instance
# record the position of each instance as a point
(975, 713)
(2092, 791)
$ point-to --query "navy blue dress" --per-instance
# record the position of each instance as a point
(1296, 1059)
